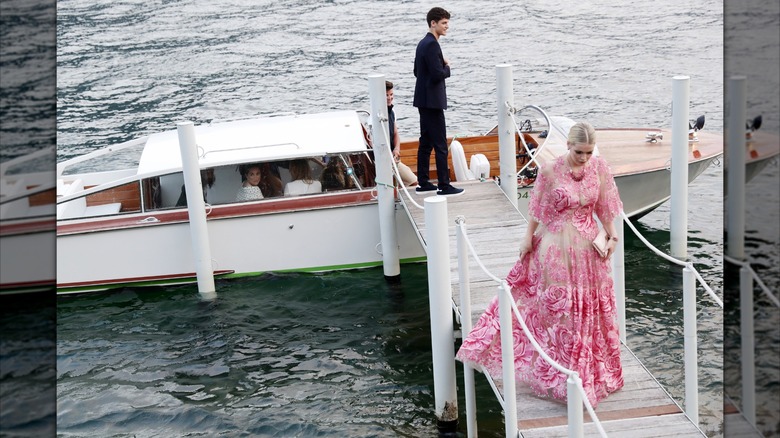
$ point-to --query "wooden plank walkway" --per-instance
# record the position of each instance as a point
(641, 409)
(735, 425)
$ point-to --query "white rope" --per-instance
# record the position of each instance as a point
(385, 133)
(527, 332)
(761, 284)
(532, 157)
(689, 265)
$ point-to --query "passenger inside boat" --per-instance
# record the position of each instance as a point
(250, 183)
(302, 182)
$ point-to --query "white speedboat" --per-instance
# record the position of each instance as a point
(27, 224)
(118, 222)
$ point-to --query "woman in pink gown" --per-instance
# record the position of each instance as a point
(561, 284)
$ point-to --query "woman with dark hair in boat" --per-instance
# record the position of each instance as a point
(270, 183)
(302, 182)
(561, 284)
(250, 183)
(333, 177)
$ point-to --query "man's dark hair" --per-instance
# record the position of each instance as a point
(388, 85)
(436, 14)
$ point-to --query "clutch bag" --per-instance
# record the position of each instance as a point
(600, 243)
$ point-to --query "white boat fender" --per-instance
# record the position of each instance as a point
(480, 166)
(462, 173)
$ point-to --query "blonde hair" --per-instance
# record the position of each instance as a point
(581, 132)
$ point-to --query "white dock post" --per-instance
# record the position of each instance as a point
(384, 176)
(440, 301)
(196, 207)
(679, 202)
(736, 112)
(574, 407)
(464, 283)
(690, 345)
(748, 352)
(619, 278)
(507, 155)
(507, 360)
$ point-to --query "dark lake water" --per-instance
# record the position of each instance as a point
(343, 353)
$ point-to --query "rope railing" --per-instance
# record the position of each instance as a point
(506, 290)
(764, 288)
(396, 173)
(688, 265)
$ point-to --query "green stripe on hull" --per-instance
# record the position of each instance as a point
(190, 280)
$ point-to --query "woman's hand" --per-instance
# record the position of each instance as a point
(525, 245)
(611, 245)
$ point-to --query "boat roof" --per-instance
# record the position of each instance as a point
(260, 139)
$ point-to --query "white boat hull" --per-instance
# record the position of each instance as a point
(314, 240)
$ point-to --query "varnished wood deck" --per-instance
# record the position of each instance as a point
(626, 149)
(641, 409)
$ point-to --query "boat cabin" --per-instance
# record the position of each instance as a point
(328, 150)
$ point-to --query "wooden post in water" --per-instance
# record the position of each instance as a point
(196, 208)
(440, 301)
(679, 202)
(384, 176)
(507, 158)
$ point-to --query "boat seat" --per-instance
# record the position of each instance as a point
(78, 207)
(103, 209)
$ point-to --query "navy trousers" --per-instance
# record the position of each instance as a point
(433, 137)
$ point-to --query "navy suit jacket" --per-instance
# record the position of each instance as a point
(430, 71)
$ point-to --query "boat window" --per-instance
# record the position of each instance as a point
(338, 174)
(116, 200)
(363, 168)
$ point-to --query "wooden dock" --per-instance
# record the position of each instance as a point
(641, 409)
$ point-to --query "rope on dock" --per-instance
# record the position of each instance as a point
(745, 264)
(385, 131)
(506, 290)
(689, 265)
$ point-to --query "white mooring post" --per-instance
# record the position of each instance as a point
(384, 176)
(679, 202)
(690, 345)
(440, 301)
(619, 278)
(507, 156)
(505, 318)
(464, 283)
(736, 113)
(748, 352)
(574, 407)
(196, 207)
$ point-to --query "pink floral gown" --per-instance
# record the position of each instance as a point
(563, 289)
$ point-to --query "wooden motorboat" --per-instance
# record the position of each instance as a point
(640, 158)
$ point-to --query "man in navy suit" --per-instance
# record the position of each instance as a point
(430, 98)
